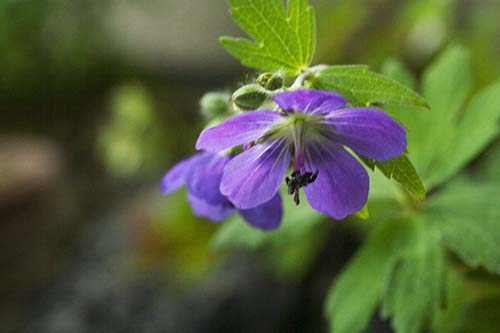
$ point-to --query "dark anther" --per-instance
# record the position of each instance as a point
(250, 145)
(298, 180)
(313, 177)
(291, 187)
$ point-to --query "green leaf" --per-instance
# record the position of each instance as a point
(443, 141)
(400, 169)
(481, 317)
(415, 293)
(364, 213)
(303, 22)
(396, 70)
(447, 318)
(363, 87)
(468, 216)
(478, 126)
(402, 266)
(446, 85)
(354, 296)
(447, 81)
(489, 164)
(281, 40)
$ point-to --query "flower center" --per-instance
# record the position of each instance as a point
(301, 130)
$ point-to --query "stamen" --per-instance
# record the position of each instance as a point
(296, 198)
(249, 145)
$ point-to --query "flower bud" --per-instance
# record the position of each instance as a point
(270, 81)
(250, 97)
(214, 104)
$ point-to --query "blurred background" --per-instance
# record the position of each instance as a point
(99, 98)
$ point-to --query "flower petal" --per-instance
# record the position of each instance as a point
(342, 185)
(253, 177)
(237, 130)
(204, 179)
(216, 213)
(176, 176)
(370, 132)
(313, 101)
(266, 216)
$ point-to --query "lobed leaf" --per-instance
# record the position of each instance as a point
(478, 126)
(446, 85)
(282, 40)
(363, 87)
(353, 298)
(443, 142)
(468, 216)
(415, 293)
(401, 170)
(400, 266)
(447, 82)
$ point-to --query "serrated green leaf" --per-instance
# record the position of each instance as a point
(303, 22)
(353, 298)
(415, 293)
(400, 265)
(368, 88)
(400, 169)
(468, 216)
(443, 141)
(281, 40)
(363, 87)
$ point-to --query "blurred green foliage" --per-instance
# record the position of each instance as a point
(368, 31)
(131, 140)
(290, 248)
(51, 46)
(180, 243)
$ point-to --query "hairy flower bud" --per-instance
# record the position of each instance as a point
(250, 97)
(270, 81)
(214, 104)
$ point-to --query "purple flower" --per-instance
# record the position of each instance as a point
(311, 130)
(202, 174)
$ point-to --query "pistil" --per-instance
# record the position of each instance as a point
(300, 177)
